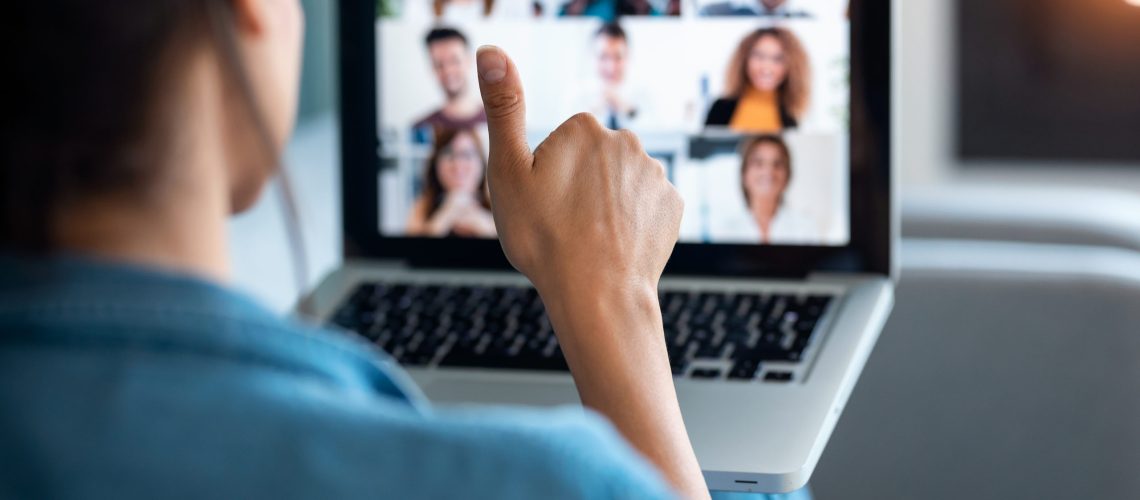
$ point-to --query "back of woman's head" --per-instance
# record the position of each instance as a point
(88, 112)
(795, 91)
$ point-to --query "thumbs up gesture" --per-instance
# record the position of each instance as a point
(591, 220)
(588, 208)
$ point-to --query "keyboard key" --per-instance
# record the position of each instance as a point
(705, 373)
(778, 376)
(744, 369)
(710, 350)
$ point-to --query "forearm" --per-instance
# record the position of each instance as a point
(615, 346)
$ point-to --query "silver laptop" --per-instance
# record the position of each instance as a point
(783, 277)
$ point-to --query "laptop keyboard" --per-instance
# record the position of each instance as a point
(709, 335)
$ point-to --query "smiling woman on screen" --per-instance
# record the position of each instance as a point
(767, 86)
(765, 174)
(454, 198)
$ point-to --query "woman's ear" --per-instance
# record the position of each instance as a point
(251, 16)
(269, 35)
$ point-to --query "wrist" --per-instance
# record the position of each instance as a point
(614, 342)
(602, 324)
(602, 300)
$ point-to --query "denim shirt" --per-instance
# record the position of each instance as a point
(121, 382)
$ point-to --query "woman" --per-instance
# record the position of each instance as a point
(767, 86)
(454, 199)
(765, 172)
(129, 369)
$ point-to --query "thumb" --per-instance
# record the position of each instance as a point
(506, 109)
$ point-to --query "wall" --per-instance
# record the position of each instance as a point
(318, 77)
(925, 114)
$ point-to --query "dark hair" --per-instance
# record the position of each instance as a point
(746, 151)
(85, 113)
(612, 30)
(444, 34)
(433, 188)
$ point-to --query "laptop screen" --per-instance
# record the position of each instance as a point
(745, 103)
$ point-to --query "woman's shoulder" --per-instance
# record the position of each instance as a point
(721, 110)
(787, 119)
(724, 103)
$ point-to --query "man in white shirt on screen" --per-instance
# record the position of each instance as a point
(610, 97)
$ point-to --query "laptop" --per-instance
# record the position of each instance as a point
(784, 273)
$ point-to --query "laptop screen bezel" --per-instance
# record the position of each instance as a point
(870, 249)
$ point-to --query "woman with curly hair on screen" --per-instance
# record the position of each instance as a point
(768, 84)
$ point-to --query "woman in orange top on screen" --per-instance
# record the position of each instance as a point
(768, 85)
(454, 198)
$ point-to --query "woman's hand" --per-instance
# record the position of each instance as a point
(588, 208)
(592, 220)
(450, 211)
(476, 222)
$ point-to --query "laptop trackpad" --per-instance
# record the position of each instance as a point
(478, 388)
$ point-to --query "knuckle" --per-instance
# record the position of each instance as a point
(585, 123)
(631, 145)
(502, 104)
(569, 128)
(630, 141)
(582, 119)
(673, 199)
(582, 132)
(628, 137)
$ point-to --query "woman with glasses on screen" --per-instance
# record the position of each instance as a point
(454, 198)
(765, 173)
(767, 86)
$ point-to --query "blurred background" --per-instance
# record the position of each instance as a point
(1011, 365)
